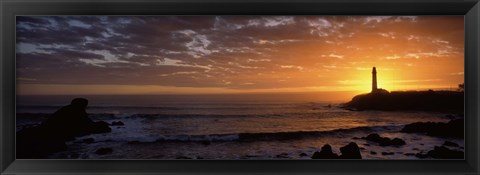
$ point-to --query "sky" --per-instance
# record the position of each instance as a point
(104, 55)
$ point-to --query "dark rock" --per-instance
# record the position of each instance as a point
(35, 143)
(397, 142)
(384, 141)
(183, 157)
(104, 151)
(282, 155)
(64, 125)
(388, 153)
(415, 149)
(351, 151)
(303, 154)
(134, 142)
(409, 154)
(74, 156)
(72, 121)
(88, 140)
(117, 123)
(206, 142)
(440, 101)
(441, 152)
(454, 128)
(421, 156)
(373, 152)
(325, 153)
(451, 144)
(374, 138)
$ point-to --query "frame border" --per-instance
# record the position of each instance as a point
(10, 8)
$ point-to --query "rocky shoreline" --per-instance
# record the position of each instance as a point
(436, 101)
(448, 150)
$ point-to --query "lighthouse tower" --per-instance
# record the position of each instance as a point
(374, 80)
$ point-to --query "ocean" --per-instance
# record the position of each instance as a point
(251, 126)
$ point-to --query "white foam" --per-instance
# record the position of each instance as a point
(132, 130)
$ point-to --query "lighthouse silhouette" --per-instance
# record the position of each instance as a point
(374, 80)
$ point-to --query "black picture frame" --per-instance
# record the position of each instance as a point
(10, 8)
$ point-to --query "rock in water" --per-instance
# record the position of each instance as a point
(397, 142)
(441, 152)
(88, 140)
(384, 141)
(448, 143)
(454, 128)
(50, 136)
(117, 123)
(325, 153)
(72, 121)
(388, 153)
(351, 151)
(104, 151)
(33, 143)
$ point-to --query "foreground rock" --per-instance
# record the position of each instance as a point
(454, 128)
(117, 123)
(104, 151)
(384, 141)
(442, 152)
(325, 153)
(350, 151)
(451, 144)
(50, 136)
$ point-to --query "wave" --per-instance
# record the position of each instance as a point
(252, 137)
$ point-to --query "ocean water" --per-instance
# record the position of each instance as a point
(231, 127)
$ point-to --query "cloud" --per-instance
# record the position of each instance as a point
(336, 56)
(390, 35)
(363, 68)
(457, 73)
(439, 41)
(179, 63)
(291, 67)
(242, 66)
(258, 60)
(330, 66)
(412, 37)
(272, 21)
(179, 73)
(394, 57)
(376, 19)
(198, 46)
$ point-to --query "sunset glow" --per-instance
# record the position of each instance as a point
(237, 54)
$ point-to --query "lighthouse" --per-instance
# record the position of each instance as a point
(374, 80)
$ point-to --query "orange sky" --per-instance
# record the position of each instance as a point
(237, 54)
